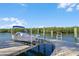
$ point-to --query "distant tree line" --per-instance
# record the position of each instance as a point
(5, 30)
(47, 30)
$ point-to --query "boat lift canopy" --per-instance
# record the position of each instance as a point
(18, 27)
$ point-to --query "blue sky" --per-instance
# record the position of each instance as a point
(39, 15)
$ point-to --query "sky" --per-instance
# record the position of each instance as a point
(39, 14)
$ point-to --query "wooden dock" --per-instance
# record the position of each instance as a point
(11, 48)
(63, 48)
(12, 51)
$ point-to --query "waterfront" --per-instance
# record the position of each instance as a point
(44, 49)
(66, 37)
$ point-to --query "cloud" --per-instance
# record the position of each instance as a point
(23, 4)
(12, 21)
(41, 26)
(69, 7)
(77, 7)
(63, 5)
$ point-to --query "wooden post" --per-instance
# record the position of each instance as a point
(31, 36)
(75, 32)
(61, 36)
(43, 32)
(51, 33)
(12, 34)
(38, 31)
(57, 36)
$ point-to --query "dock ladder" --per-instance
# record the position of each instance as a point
(59, 36)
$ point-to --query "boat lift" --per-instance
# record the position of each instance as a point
(44, 38)
(19, 33)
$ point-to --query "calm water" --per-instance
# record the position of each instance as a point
(7, 36)
(6, 41)
(40, 50)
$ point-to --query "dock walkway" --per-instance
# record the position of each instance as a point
(12, 51)
(11, 48)
(63, 48)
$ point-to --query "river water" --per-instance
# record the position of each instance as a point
(67, 37)
(5, 36)
(40, 50)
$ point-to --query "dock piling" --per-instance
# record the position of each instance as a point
(75, 32)
(31, 36)
(44, 33)
(51, 33)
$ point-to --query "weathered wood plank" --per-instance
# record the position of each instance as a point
(13, 50)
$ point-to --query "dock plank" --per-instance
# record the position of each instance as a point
(13, 50)
(63, 48)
